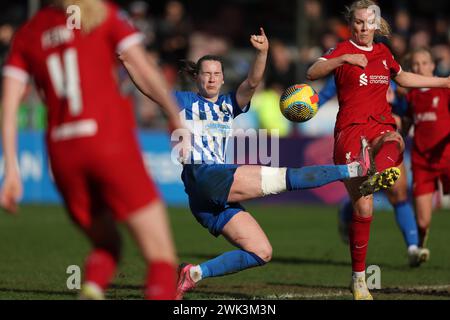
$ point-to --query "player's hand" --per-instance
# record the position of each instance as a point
(181, 142)
(359, 60)
(11, 192)
(260, 42)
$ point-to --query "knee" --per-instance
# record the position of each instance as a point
(394, 137)
(396, 195)
(364, 209)
(264, 252)
(423, 222)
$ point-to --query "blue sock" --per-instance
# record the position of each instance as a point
(230, 262)
(346, 212)
(314, 176)
(404, 215)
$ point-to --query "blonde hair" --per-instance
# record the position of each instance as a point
(384, 28)
(93, 12)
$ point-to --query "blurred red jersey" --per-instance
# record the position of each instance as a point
(430, 110)
(75, 73)
(362, 92)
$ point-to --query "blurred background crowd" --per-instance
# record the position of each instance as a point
(299, 31)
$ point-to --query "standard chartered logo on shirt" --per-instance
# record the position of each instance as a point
(372, 79)
(363, 80)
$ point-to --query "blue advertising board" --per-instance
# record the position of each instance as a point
(39, 187)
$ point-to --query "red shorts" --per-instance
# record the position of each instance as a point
(97, 177)
(347, 142)
(429, 168)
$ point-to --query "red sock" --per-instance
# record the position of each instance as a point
(100, 268)
(161, 281)
(388, 156)
(359, 241)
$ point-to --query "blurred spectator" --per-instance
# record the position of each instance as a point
(441, 53)
(399, 45)
(143, 22)
(315, 27)
(441, 30)
(173, 32)
(328, 41)
(420, 39)
(280, 69)
(339, 28)
(402, 24)
(6, 33)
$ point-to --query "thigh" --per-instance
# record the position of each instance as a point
(73, 184)
(213, 217)
(347, 144)
(246, 184)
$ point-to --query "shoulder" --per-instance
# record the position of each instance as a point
(229, 98)
(383, 48)
(341, 48)
(185, 97)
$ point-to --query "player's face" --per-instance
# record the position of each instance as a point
(210, 79)
(363, 27)
(422, 64)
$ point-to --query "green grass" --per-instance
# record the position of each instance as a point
(309, 260)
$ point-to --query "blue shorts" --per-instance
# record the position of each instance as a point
(208, 186)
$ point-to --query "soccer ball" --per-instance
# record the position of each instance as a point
(299, 103)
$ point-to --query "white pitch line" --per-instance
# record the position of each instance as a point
(340, 293)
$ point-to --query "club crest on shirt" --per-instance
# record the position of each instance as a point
(435, 102)
(385, 65)
(225, 109)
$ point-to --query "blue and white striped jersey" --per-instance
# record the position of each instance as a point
(209, 123)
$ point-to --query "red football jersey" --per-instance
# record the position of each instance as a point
(430, 110)
(75, 72)
(362, 92)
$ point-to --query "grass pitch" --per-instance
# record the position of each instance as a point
(309, 260)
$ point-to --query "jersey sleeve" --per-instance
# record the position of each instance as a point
(16, 64)
(122, 31)
(333, 52)
(182, 98)
(236, 109)
(394, 66)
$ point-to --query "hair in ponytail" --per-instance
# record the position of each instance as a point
(192, 69)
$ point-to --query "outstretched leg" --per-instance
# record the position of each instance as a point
(252, 182)
(244, 232)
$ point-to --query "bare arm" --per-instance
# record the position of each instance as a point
(13, 90)
(413, 80)
(321, 68)
(150, 82)
(247, 88)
